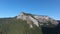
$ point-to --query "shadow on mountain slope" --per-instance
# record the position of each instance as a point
(55, 30)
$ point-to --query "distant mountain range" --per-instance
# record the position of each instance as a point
(26, 23)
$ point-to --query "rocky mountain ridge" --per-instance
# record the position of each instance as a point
(26, 23)
(37, 20)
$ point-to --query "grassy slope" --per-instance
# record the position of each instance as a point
(14, 26)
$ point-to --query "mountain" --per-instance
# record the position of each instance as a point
(26, 23)
(37, 20)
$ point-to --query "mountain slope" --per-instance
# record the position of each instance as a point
(14, 26)
(26, 23)
(38, 19)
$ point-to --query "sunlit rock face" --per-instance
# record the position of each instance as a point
(22, 16)
(45, 19)
(37, 20)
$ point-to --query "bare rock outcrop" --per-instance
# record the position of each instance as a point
(37, 20)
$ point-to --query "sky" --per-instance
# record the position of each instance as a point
(11, 8)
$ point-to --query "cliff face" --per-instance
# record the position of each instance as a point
(38, 20)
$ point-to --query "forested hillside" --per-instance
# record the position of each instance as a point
(14, 26)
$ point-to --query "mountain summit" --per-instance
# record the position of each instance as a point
(26, 23)
(38, 20)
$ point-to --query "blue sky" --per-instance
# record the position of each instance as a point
(11, 8)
